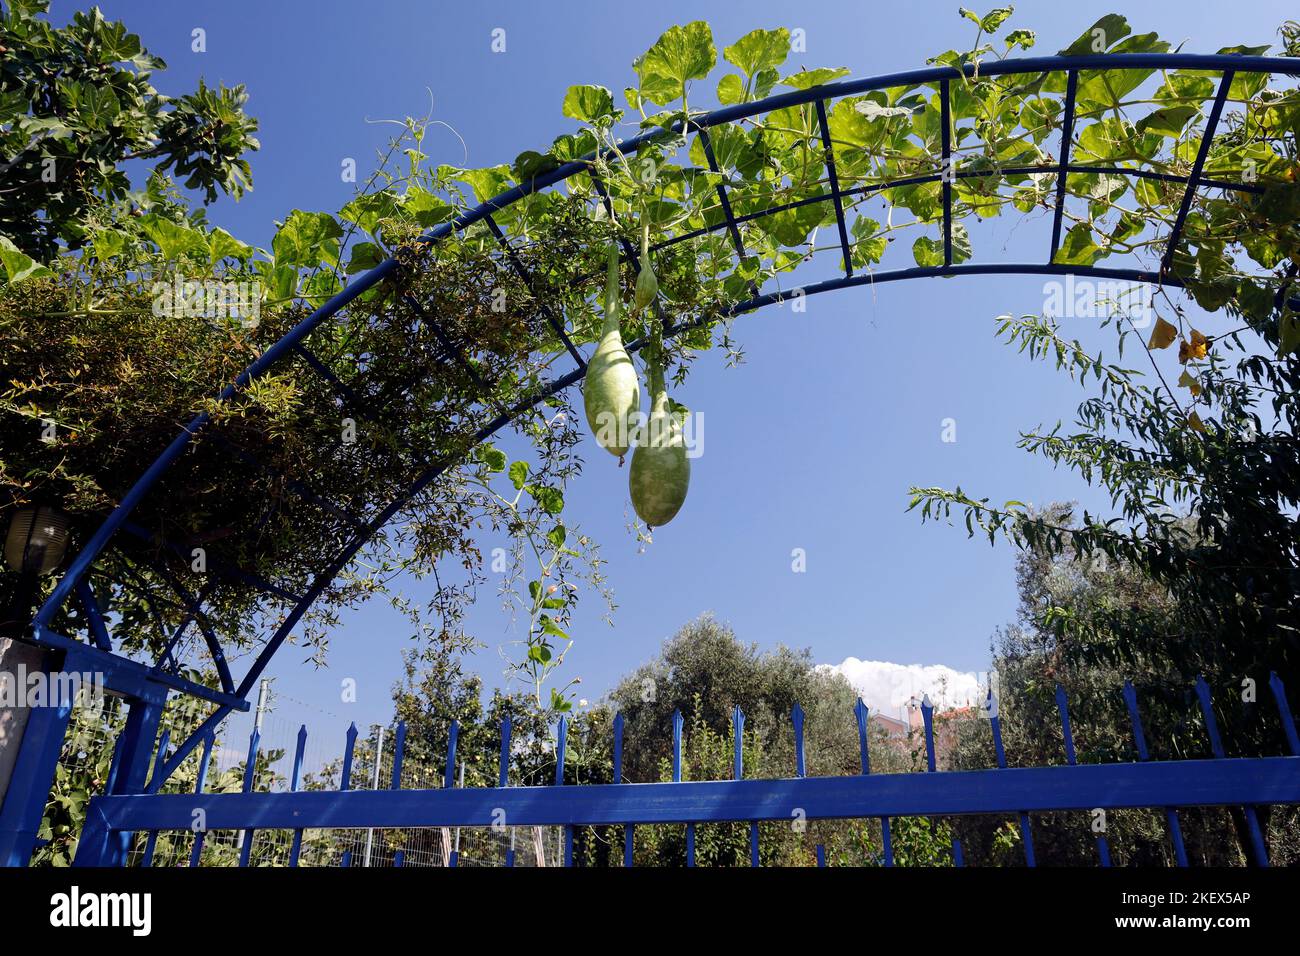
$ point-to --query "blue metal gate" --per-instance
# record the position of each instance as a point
(115, 821)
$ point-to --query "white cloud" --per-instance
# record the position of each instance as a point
(886, 687)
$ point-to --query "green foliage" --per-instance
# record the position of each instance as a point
(77, 102)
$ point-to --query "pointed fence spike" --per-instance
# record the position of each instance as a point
(796, 718)
(927, 717)
(503, 769)
(346, 782)
(209, 741)
(1063, 707)
(737, 744)
(677, 746)
(1171, 815)
(295, 781)
(860, 711)
(1258, 847)
(561, 748)
(453, 736)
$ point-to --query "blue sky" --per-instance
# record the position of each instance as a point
(812, 444)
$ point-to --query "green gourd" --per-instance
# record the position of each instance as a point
(611, 392)
(661, 471)
(647, 284)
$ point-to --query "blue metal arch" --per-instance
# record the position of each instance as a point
(234, 696)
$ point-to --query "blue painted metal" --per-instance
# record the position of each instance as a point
(295, 848)
(250, 775)
(1261, 780)
(821, 855)
(1063, 707)
(1171, 815)
(345, 777)
(927, 717)
(94, 616)
(1026, 831)
(677, 746)
(957, 858)
(146, 860)
(201, 781)
(1258, 849)
(945, 122)
(453, 736)
(1194, 178)
(834, 178)
(155, 684)
(1063, 168)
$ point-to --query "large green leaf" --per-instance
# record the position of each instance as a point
(681, 54)
(307, 239)
(588, 104)
(759, 50)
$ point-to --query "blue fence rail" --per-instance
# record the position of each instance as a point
(1219, 781)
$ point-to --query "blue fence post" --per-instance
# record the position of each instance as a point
(1258, 849)
(453, 738)
(561, 752)
(345, 776)
(677, 778)
(863, 715)
(152, 842)
(1139, 738)
(629, 828)
(821, 855)
(958, 859)
(1067, 733)
(98, 846)
(995, 724)
(295, 849)
(738, 772)
(201, 781)
(250, 777)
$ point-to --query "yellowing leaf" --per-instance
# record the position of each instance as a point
(1190, 382)
(1193, 350)
(1162, 336)
(1194, 420)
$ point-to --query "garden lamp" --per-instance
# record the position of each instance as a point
(35, 545)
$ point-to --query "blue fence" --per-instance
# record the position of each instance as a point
(116, 822)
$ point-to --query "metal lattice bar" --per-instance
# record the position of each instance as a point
(835, 187)
(945, 120)
(518, 266)
(1194, 179)
(216, 564)
(1063, 168)
(732, 226)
